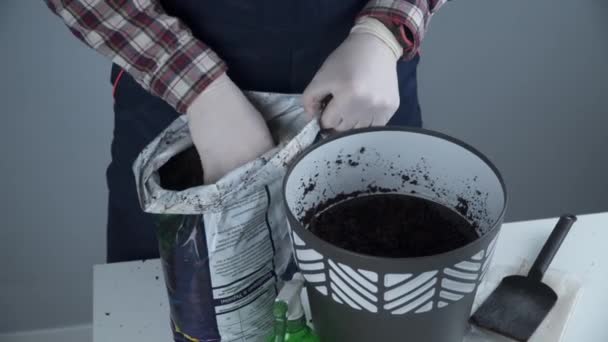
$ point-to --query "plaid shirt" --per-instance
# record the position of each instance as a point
(167, 60)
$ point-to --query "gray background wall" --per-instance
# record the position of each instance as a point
(54, 142)
(525, 82)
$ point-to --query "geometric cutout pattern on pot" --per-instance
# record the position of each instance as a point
(356, 278)
(322, 289)
(361, 293)
(408, 286)
(403, 293)
(457, 286)
(469, 266)
(465, 276)
(342, 298)
(349, 294)
(315, 278)
(371, 276)
(460, 274)
(311, 263)
(412, 294)
(297, 240)
(450, 295)
(315, 266)
(478, 256)
(427, 307)
(308, 255)
(336, 298)
(392, 279)
(422, 301)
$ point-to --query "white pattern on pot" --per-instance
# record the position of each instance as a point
(402, 292)
(412, 297)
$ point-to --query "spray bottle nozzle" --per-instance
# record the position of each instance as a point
(289, 320)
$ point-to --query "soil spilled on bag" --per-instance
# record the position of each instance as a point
(392, 225)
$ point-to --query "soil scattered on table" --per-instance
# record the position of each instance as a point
(392, 225)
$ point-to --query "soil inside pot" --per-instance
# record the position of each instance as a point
(392, 225)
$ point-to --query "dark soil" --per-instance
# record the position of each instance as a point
(393, 226)
(182, 172)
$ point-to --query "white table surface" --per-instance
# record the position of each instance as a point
(130, 301)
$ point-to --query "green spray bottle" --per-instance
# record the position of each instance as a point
(289, 319)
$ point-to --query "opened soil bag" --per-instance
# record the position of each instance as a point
(224, 247)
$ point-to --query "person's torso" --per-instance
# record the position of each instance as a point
(269, 45)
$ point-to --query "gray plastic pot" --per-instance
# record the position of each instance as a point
(356, 297)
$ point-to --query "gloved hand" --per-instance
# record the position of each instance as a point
(361, 77)
(226, 129)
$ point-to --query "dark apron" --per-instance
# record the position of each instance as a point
(268, 45)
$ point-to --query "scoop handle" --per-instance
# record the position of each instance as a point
(544, 258)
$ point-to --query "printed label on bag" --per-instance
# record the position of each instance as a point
(241, 265)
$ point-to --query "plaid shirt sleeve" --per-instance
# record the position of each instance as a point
(408, 19)
(155, 48)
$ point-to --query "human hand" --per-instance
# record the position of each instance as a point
(361, 78)
(227, 130)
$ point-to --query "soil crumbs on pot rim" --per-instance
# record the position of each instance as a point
(392, 226)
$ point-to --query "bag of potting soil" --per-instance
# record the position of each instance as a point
(224, 247)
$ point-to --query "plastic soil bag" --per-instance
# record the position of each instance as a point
(224, 247)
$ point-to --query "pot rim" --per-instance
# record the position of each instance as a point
(317, 240)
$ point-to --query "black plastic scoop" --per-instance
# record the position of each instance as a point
(520, 303)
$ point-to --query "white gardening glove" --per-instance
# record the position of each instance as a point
(361, 77)
(226, 129)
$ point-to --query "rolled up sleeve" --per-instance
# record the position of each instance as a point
(156, 49)
(408, 19)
